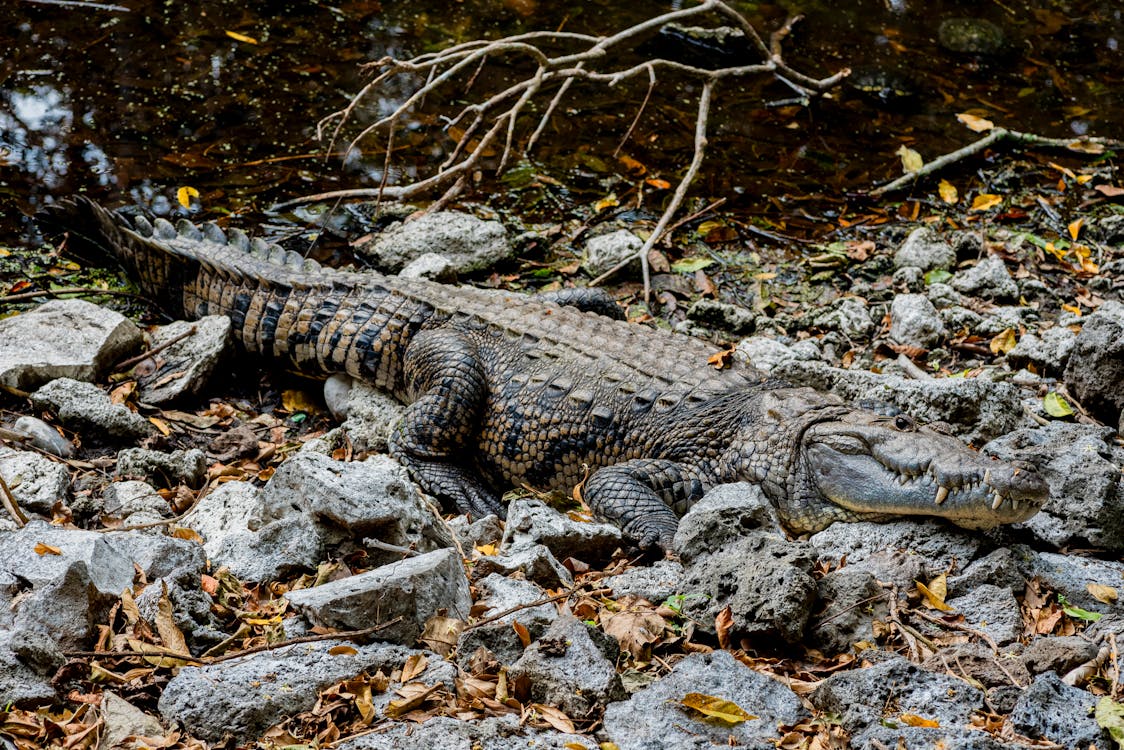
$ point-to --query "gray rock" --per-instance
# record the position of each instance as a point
(607, 250)
(851, 599)
(534, 562)
(273, 550)
(849, 316)
(1048, 351)
(87, 408)
(655, 582)
(469, 243)
(43, 436)
(958, 318)
(37, 483)
(168, 557)
(772, 597)
(935, 543)
(723, 315)
(989, 279)
(1005, 567)
(1095, 372)
(1052, 710)
(371, 417)
(473, 534)
(337, 390)
(943, 296)
(565, 668)
(532, 522)
(1057, 654)
(123, 499)
(184, 368)
(721, 517)
(1001, 675)
(978, 410)
(1000, 318)
(64, 595)
(414, 589)
(992, 610)
(908, 278)
(765, 352)
(38, 651)
(21, 684)
(229, 510)
(163, 469)
(497, 733)
(124, 720)
(235, 701)
(1070, 576)
(655, 719)
(1083, 468)
(915, 322)
(926, 249)
(496, 594)
(901, 736)
(63, 339)
(863, 698)
(430, 266)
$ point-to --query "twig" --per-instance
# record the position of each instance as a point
(911, 369)
(639, 111)
(529, 605)
(93, 291)
(10, 504)
(133, 361)
(81, 4)
(996, 135)
(957, 626)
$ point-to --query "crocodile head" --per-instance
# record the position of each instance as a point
(848, 464)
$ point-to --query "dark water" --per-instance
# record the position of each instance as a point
(131, 101)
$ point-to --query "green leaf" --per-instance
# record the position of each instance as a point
(1110, 716)
(937, 276)
(1076, 612)
(1056, 406)
(690, 265)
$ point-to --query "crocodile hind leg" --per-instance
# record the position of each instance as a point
(446, 385)
(642, 496)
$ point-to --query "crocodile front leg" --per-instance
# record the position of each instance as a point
(446, 385)
(642, 496)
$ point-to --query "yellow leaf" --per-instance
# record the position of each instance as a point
(911, 160)
(657, 183)
(297, 401)
(975, 124)
(1073, 309)
(42, 548)
(486, 549)
(1083, 178)
(1102, 593)
(984, 201)
(186, 195)
(1075, 228)
(914, 720)
(609, 201)
(191, 535)
(161, 425)
(1082, 252)
(1003, 342)
(1057, 252)
(948, 192)
(720, 709)
(935, 593)
(241, 37)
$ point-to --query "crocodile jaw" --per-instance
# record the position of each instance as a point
(865, 468)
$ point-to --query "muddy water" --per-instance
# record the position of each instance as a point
(130, 101)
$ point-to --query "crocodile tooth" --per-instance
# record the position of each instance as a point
(186, 229)
(164, 229)
(1014, 505)
(942, 494)
(987, 476)
(997, 502)
(143, 226)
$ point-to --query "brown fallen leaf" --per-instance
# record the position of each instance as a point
(719, 709)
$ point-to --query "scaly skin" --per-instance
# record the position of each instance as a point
(507, 390)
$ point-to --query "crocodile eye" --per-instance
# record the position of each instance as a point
(904, 423)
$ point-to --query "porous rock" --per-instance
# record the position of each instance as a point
(850, 600)
(992, 610)
(230, 509)
(63, 339)
(1058, 654)
(475, 533)
(654, 583)
(1048, 350)
(915, 322)
(1049, 709)
(1095, 371)
(532, 522)
(135, 502)
(926, 249)
(721, 517)
(21, 684)
(989, 279)
(123, 720)
(88, 409)
(469, 243)
(496, 594)
(607, 250)
(723, 315)
(494, 733)
(534, 562)
(414, 589)
(184, 368)
(765, 352)
(849, 316)
(37, 483)
(163, 469)
(656, 718)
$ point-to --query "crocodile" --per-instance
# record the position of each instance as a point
(505, 389)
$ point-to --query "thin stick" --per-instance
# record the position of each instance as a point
(81, 4)
(529, 605)
(93, 291)
(133, 361)
(639, 112)
(11, 505)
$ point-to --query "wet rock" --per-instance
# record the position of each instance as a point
(722, 315)
(655, 582)
(63, 339)
(925, 248)
(135, 502)
(37, 483)
(992, 610)
(772, 597)
(607, 250)
(1048, 351)
(1057, 654)
(534, 562)
(124, 720)
(414, 589)
(1052, 710)
(532, 522)
(22, 684)
(473, 534)
(1083, 469)
(849, 316)
(565, 668)
(184, 368)
(915, 322)
(163, 469)
(989, 279)
(496, 594)
(721, 517)
(88, 409)
(851, 599)
(235, 701)
(861, 698)
(469, 243)
(978, 410)
(497, 733)
(43, 436)
(1095, 371)
(655, 717)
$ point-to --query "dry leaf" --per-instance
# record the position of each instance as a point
(241, 37)
(975, 124)
(914, 720)
(554, 717)
(343, 650)
(1003, 342)
(985, 201)
(414, 666)
(911, 160)
(42, 548)
(723, 624)
(170, 634)
(720, 709)
(186, 195)
(1109, 191)
(935, 593)
(722, 359)
(1075, 228)
(521, 631)
(1102, 593)
(948, 192)
(294, 401)
(634, 627)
